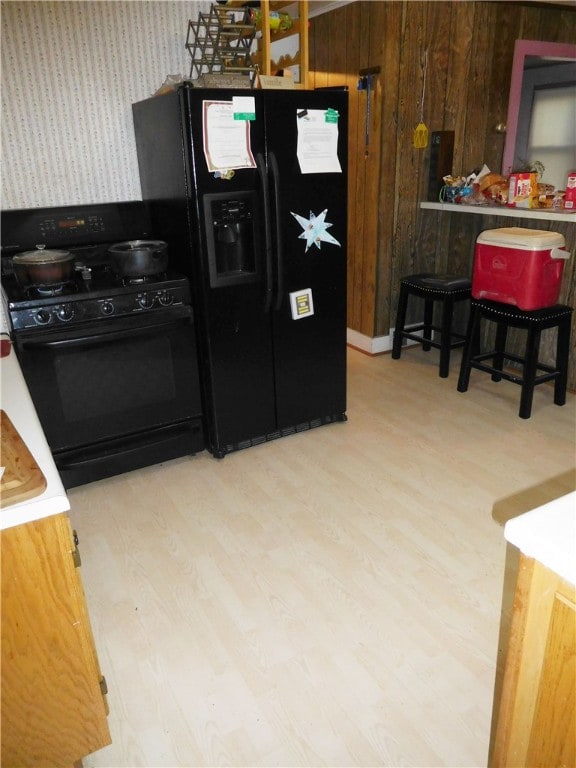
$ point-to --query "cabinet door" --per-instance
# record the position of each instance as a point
(538, 703)
(53, 708)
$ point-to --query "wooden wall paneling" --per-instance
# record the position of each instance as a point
(408, 158)
(461, 86)
(477, 102)
(566, 27)
(318, 57)
(528, 24)
(372, 172)
(430, 256)
(386, 288)
(504, 23)
(461, 35)
(428, 225)
(338, 53)
(349, 19)
(357, 185)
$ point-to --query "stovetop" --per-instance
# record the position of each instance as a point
(96, 292)
(97, 296)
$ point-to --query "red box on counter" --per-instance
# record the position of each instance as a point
(523, 190)
(519, 266)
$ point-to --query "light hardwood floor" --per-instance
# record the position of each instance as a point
(328, 599)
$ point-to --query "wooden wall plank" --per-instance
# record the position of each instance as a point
(408, 159)
(459, 64)
(390, 64)
(504, 26)
(319, 51)
(372, 171)
(430, 256)
(351, 20)
(359, 290)
(478, 97)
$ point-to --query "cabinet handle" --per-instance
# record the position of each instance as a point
(76, 557)
(76, 551)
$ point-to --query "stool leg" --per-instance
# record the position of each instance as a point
(400, 322)
(562, 354)
(471, 347)
(446, 337)
(500, 348)
(428, 319)
(529, 373)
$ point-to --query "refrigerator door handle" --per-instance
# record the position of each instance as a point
(279, 252)
(263, 173)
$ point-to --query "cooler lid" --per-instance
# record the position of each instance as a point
(525, 239)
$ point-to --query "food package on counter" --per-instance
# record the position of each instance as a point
(554, 199)
(523, 190)
(489, 180)
(570, 194)
(453, 189)
(494, 188)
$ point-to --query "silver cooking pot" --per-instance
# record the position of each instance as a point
(43, 267)
(139, 258)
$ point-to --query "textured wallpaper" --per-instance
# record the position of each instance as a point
(70, 72)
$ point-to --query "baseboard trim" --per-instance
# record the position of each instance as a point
(373, 345)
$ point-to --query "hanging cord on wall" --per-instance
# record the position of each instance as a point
(420, 139)
(365, 83)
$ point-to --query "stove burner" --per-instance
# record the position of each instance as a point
(42, 291)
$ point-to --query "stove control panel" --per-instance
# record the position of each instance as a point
(73, 226)
(68, 227)
(57, 312)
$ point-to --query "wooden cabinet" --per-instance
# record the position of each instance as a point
(537, 717)
(54, 710)
(270, 56)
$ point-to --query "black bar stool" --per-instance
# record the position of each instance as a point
(447, 289)
(534, 322)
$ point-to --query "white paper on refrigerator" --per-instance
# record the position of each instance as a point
(226, 139)
(317, 147)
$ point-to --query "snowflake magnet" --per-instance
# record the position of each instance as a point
(315, 229)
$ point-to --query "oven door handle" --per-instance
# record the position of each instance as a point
(97, 338)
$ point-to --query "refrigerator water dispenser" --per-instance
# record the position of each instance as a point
(233, 248)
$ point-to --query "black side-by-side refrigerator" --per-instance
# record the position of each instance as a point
(249, 190)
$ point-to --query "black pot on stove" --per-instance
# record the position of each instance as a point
(43, 268)
(139, 258)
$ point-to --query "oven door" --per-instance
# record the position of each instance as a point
(113, 394)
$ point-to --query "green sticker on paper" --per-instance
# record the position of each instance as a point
(331, 116)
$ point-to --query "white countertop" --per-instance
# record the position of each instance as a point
(502, 210)
(548, 534)
(17, 403)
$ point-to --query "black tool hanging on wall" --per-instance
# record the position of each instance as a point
(365, 83)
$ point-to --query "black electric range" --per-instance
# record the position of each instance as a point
(110, 362)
